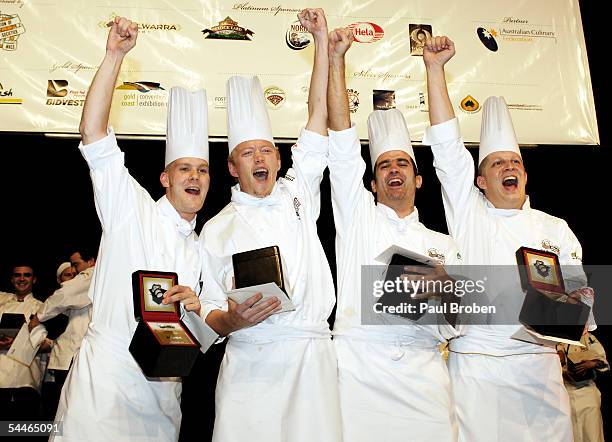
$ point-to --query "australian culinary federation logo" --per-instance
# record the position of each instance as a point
(297, 37)
(10, 30)
(142, 94)
(513, 29)
(228, 29)
(58, 94)
(366, 32)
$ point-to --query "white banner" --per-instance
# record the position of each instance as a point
(532, 53)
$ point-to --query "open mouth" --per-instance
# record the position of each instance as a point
(395, 182)
(193, 190)
(510, 182)
(261, 174)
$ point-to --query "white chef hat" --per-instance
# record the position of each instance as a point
(63, 266)
(387, 131)
(496, 132)
(187, 125)
(247, 115)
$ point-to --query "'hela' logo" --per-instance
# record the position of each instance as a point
(367, 32)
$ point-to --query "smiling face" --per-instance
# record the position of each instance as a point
(255, 163)
(503, 179)
(186, 181)
(395, 181)
(23, 279)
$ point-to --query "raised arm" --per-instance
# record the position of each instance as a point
(94, 120)
(315, 22)
(437, 51)
(340, 41)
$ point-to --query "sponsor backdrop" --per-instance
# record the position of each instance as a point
(532, 54)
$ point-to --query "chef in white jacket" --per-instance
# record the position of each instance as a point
(278, 378)
(505, 389)
(71, 299)
(394, 384)
(107, 396)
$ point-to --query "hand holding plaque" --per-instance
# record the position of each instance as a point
(542, 311)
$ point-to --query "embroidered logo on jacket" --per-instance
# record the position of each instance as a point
(296, 206)
(547, 245)
(438, 256)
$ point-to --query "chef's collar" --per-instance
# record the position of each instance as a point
(507, 212)
(392, 215)
(240, 197)
(183, 226)
(26, 297)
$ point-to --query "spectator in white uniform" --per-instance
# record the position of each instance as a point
(278, 378)
(106, 395)
(20, 384)
(394, 384)
(505, 389)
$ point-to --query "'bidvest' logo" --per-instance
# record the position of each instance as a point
(297, 37)
(58, 94)
(366, 32)
(228, 29)
(10, 30)
(6, 96)
(487, 37)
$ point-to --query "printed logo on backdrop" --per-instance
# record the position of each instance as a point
(228, 29)
(11, 29)
(18, 3)
(353, 99)
(58, 94)
(513, 30)
(419, 33)
(419, 103)
(273, 10)
(297, 37)
(275, 97)
(383, 100)
(143, 94)
(73, 66)
(470, 105)
(143, 27)
(366, 32)
(219, 103)
(7, 97)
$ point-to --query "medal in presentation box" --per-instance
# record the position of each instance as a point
(542, 280)
(162, 345)
(10, 324)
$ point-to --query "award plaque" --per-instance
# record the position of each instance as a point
(542, 310)
(260, 266)
(162, 345)
(10, 324)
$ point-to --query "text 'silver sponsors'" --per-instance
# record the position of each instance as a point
(10, 30)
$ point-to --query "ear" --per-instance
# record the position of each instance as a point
(91, 262)
(34, 279)
(373, 185)
(418, 181)
(481, 182)
(232, 169)
(164, 179)
(525, 178)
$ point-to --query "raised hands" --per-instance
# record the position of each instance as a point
(314, 21)
(122, 35)
(437, 51)
(340, 40)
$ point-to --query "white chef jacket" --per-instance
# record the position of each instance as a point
(394, 385)
(72, 297)
(12, 373)
(106, 395)
(518, 394)
(585, 400)
(278, 378)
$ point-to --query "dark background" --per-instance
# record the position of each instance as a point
(48, 208)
